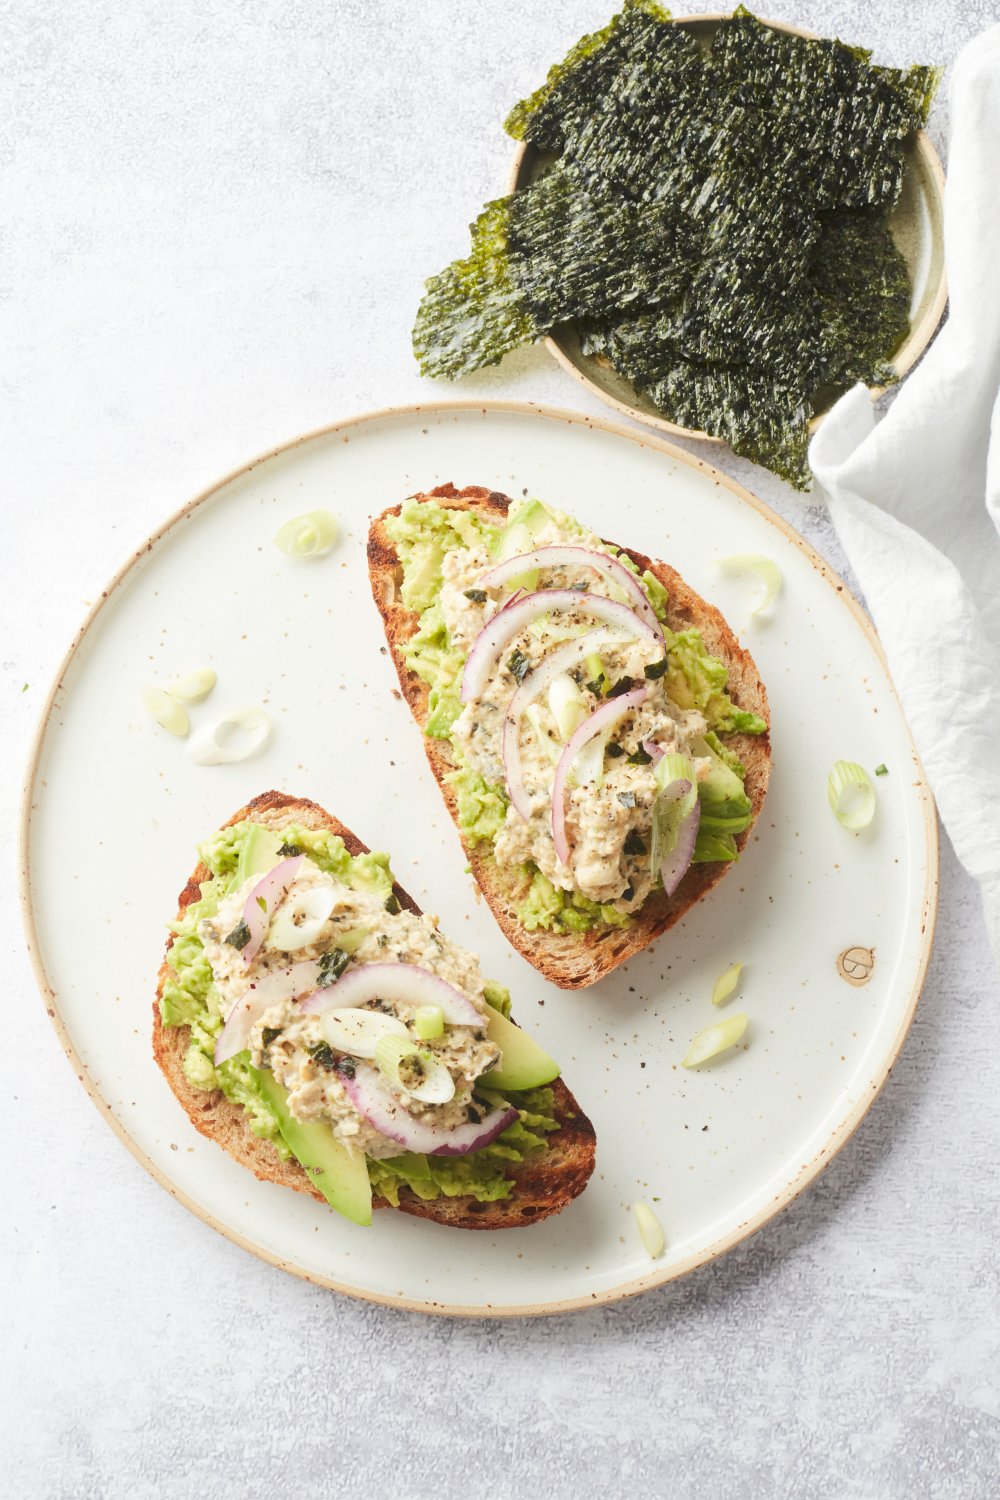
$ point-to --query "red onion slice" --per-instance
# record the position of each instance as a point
(376, 1103)
(602, 718)
(678, 861)
(400, 982)
(653, 749)
(509, 622)
(536, 682)
(576, 557)
(262, 900)
(286, 983)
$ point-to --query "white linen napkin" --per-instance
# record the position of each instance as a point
(915, 498)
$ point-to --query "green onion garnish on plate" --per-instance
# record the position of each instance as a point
(851, 794)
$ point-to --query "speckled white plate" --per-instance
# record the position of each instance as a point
(113, 805)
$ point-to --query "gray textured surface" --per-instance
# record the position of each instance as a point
(217, 219)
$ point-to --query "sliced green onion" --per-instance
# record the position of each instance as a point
(426, 1079)
(391, 1051)
(168, 713)
(589, 764)
(533, 715)
(763, 568)
(595, 666)
(359, 1033)
(351, 939)
(428, 1022)
(668, 816)
(725, 985)
(300, 918)
(851, 794)
(193, 686)
(567, 705)
(232, 737)
(715, 1039)
(650, 1230)
(882, 770)
(309, 535)
(671, 768)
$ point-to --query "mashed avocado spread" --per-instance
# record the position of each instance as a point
(190, 998)
(438, 546)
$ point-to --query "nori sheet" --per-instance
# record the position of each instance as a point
(846, 120)
(758, 418)
(863, 293)
(751, 407)
(646, 138)
(544, 256)
(574, 253)
(564, 103)
(715, 223)
(473, 312)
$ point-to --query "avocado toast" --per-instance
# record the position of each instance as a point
(287, 1072)
(598, 734)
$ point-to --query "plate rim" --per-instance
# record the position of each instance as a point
(653, 1278)
(913, 347)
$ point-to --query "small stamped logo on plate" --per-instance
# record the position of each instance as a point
(856, 965)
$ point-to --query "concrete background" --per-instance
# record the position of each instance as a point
(216, 221)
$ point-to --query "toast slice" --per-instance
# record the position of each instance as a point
(543, 1183)
(573, 960)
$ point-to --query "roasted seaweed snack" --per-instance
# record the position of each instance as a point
(713, 220)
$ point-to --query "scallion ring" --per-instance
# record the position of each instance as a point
(762, 568)
(309, 535)
(415, 1071)
(851, 794)
(232, 737)
(428, 1022)
(359, 1033)
(168, 713)
(193, 686)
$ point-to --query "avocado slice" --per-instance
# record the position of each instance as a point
(523, 1064)
(722, 783)
(423, 575)
(258, 853)
(340, 1175)
(519, 535)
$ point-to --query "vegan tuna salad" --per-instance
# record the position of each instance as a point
(355, 1035)
(588, 737)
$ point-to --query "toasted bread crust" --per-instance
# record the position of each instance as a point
(542, 1186)
(574, 960)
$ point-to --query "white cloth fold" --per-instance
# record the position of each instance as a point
(915, 498)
